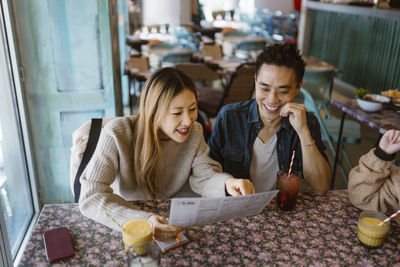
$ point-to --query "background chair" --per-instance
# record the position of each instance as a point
(330, 131)
(233, 33)
(214, 51)
(240, 88)
(160, 45)
(173, 58)
(137, 68)
(204, 78)
(140, 63)
(248, 49)
(201, 75)
(218, 13)
(319, 84)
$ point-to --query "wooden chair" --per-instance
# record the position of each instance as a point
(240, 88)
(214, 51)
(215, 14)
(198, 72)
(134, 66)
(204, 78)
(141, 63)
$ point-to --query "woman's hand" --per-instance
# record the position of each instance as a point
(161, 229)
(239, 187)
(390, 142)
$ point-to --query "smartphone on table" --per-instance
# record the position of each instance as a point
(171, 243)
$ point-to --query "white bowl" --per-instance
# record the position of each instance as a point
(375, 104)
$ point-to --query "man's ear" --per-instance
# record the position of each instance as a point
(298, 87)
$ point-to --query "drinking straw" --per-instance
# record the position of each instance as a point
(390, 217)
(291, 163)
(114, 221)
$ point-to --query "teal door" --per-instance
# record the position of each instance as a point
(67, 73)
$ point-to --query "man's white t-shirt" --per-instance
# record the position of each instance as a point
(264, 165)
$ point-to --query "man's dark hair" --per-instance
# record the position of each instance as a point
(286, 55)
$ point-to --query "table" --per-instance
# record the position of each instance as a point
(381, 121)
(322, 230)
(135, 43)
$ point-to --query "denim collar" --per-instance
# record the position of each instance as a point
(254, 117)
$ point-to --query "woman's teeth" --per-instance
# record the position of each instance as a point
(183, 131)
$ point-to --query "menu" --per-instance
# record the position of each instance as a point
(199, 211)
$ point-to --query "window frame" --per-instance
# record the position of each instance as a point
(9, 37)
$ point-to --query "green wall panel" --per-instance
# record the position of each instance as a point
(366, 49)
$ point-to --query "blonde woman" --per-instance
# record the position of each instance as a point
(154, 155)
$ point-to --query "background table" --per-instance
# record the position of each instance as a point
(321, 230)
(381, 121)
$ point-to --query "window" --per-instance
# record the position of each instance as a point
(18, 203)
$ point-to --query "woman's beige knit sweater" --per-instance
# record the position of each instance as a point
(375, 185)
(108, 182)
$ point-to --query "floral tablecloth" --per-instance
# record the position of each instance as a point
(321, 231)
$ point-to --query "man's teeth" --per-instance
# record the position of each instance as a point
(271, 108)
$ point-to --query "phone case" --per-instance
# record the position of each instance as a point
(171, 243)
(58, 244)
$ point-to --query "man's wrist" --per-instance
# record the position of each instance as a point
(305, 137)
(383, 155)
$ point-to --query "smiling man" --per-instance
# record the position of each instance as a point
(255, 139)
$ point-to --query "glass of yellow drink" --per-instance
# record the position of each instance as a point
(137, 234)
(370, 233)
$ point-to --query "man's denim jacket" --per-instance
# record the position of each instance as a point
(236, 128)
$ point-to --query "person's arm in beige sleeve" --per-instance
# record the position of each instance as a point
(97, 200)
(373, 184)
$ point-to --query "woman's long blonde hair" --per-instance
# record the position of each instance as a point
(158, 91)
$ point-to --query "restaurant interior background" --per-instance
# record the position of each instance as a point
(64, 62)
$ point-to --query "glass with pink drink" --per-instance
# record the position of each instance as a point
(288, 186)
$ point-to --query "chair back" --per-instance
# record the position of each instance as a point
(323, 79)
(214, 51)
(198, 71)
(319, 84)
(250, 45)
(161, 45)
(330, 128)
(140, 63)
(241, 85)
(304, 97)
(233, 34)
(173, 58)
(217, 13)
